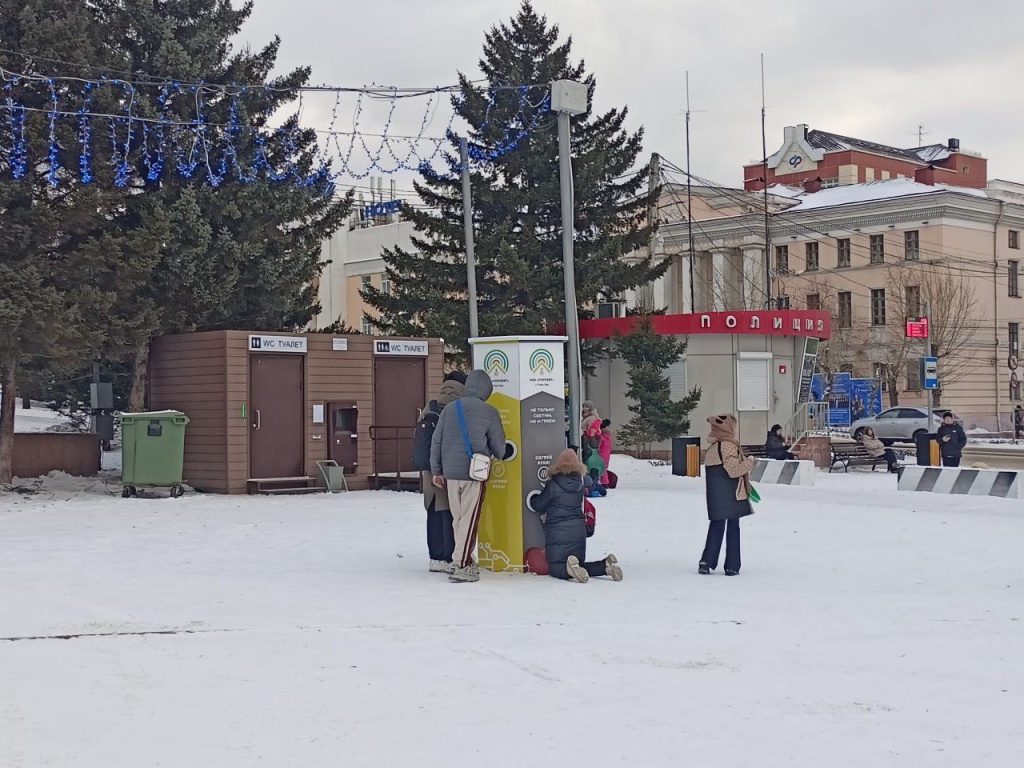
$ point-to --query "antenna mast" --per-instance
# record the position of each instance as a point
(689, 197)
(764, 174)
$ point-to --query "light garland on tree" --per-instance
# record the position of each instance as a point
(147, 140)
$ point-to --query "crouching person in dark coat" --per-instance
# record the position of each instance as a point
(565, 530)
(727, 473)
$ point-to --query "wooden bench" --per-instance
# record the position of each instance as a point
(273, 486)
(854, 455)
(755, 451)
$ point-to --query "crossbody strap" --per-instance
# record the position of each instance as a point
(462, 426)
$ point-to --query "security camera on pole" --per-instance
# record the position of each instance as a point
(569, 98)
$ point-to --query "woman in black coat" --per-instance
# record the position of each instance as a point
(775, 446)
(727, 483)
(565, 529)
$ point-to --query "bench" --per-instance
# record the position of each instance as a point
(854, 455)
(755, 451)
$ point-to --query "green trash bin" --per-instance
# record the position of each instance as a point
(152, 451)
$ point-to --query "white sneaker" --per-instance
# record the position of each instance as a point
(577, 571)
(611, 567)
(440, 566)
(467, 574)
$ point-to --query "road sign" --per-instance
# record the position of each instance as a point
(930, 372)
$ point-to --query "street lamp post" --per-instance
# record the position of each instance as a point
(569, 98)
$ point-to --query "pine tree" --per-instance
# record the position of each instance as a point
(516, 204)
(58, 259)
(657, 416)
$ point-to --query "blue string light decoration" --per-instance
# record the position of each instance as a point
(182, 138)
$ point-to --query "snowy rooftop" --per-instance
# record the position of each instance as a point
(866, 192)
(833, 142)
(868, 628)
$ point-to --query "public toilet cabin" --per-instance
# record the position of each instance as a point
(264, 407)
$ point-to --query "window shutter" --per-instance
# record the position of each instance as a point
(677, 379)
(753, 388)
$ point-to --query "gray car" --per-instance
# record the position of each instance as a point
(898, 424)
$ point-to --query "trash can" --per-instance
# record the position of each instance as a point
(152, 451)
(927, 444)
(686, 456)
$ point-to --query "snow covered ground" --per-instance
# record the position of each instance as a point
(867, 628)
(38, 419)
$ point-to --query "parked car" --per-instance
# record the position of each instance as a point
(898, 424)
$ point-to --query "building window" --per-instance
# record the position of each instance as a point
(1013, 336)
(911, 245)
(913, 376)
(913, 301)
(1013, 278)
(843, 246)
(385, 285)
(829, 183)
(1014, 239)
(364, 281)
(364, 327)
(845, 309)
(782, 302)
(782, 259)
(812, 257)
(878, 306)
(814, 301)
(877, 249)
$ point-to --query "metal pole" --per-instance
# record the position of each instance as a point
(928, 353)
(572, 326)
(467, 222)
(767, 227)
(689, 201)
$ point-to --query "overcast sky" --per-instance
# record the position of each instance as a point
(874, 69)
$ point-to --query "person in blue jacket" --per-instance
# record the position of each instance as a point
(952, 440)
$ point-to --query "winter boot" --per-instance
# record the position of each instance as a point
(730, 572)
(464, 575)
(577, 571)
(704, 569)
(612, 569)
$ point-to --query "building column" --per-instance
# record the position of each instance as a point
(753, 278)
(719, 279)
(682, 280)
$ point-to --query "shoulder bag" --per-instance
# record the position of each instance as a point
(479, 464)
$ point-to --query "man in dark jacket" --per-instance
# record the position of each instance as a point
(1018, 423)
(951, 441)
(450, 461)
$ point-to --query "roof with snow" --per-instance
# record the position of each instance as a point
(867, 192)
(833, 142)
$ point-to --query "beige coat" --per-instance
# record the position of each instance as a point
(874, 446)
(735, 464)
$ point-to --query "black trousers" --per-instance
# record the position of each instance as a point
(440, 534)
(890, 456)
(730, 529)
(950, 461)
(561, 571)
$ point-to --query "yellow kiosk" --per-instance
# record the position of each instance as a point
(529, 392)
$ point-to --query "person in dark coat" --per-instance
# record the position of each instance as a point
(440, 531)
(1018, 423)
(952, 440)
(775, 446)
(565, 532)
(727, 486)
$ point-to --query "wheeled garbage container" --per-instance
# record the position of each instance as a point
(153, 451)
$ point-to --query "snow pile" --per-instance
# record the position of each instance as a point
(868, 627)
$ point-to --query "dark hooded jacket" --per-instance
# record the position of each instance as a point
(775, 446)
(565, 529)
(954, 447)
(448, 456)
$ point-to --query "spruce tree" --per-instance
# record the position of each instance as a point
(516, 203)
(657, 416)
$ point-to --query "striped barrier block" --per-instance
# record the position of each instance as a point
(772, 472)
(1006, 484)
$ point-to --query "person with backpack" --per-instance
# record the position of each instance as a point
(469, 434)
(562, 506)
(440, 533)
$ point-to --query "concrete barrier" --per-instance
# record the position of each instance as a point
(772, 472)
(1006, 484)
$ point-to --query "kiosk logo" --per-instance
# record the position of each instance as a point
(496, 363)
(542, 362)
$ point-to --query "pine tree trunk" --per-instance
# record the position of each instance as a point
(140, 378)
(8, 399)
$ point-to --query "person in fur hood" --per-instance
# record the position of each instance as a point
(727, 484)
(565, 531)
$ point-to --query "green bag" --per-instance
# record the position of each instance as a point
(754, 496)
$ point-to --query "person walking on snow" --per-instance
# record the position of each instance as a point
(565, 530)
(470, 419)
(1018, 422)
(727, 487)
(952, 441)
(440, 533)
